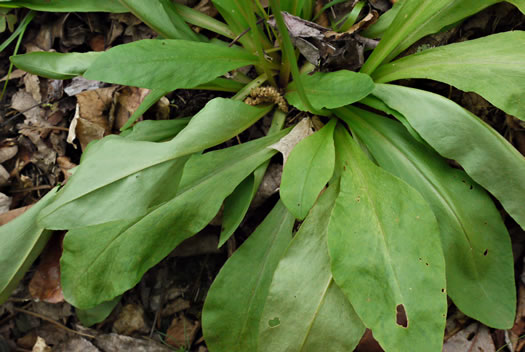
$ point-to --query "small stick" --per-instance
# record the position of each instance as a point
(56, 323)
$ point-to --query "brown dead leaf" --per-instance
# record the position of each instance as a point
(92, 120)
(45, 284)
(5, 203)
(176, 306)
(14, 75)
(8, 151)
(24, 102)
(4, 176)
(76, 344)
(119, 343)
(474, 337)
(182, 332)
(129, 99)
(12, 214)
(98, 43)
(32, 86)
(65, 164)
(44, 157)
(130, 320)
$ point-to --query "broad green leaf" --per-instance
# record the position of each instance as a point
(235, 208)
(167, 64)
(161, 16)
(67, 5)
(453, 12)
(101, 262)
(457, 134)
(238, 203)
(21, 241)
(307, 170)
(477, 248)
(490, 66)
(234, 304)
(331, 90)
(386, 254)
(305, 310)
(138, 175)
(156, 130)
(418, 18)
(98, 313)
(55, 65)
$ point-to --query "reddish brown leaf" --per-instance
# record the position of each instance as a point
(45, 284)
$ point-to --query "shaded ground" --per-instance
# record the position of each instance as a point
(163, 311)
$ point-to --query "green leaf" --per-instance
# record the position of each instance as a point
(101, 262)
(331, 90)
(156, 130)
(418, 18)
(305, 310)
(490, 66)
(457, 134)
(233, 307)
(161, 16)
(138, 175)
(386, 254)
(235, 208)
(453, 12)
(307, 170)
(477, 247)
(55, 65)
(21, 241)
(67, 5)
(378, 29)
(167, 64)
(98, 313)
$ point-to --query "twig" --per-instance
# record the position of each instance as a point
(56, 323)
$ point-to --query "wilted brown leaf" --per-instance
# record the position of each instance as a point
(182, 332)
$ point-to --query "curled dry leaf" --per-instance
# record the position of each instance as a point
(302, 130)
(93, 118)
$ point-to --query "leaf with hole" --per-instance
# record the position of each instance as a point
(386, 255)
(476, 245)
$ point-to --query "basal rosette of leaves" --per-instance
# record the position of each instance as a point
(389, 228)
